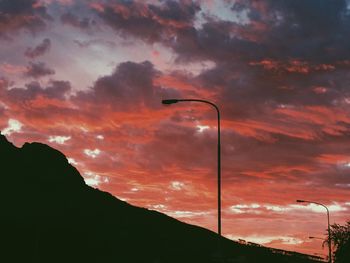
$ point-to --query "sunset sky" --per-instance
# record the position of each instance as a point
(87, 77)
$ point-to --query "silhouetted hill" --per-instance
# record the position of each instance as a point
(49, 214)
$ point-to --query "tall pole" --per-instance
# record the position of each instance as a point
(329, 227)
(172, 101)
(329, 237)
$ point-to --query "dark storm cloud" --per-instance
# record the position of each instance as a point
(275, 29)
(315, 30)
(38, 69)
(172, 23)
(296, 56)
(55, 90)
(247, 90)
(176, 11)
(39, 50)
(21, 14)
(150, 22)
(36, 102)
(219, 41)
(128, 87)
(72, 20)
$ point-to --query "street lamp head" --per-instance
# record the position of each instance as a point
(300, 201)
(171, 101)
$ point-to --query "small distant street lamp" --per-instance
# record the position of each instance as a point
(329, 228)
(316, 238)
(172, 101)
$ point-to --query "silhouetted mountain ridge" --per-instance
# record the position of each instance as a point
(49, 214)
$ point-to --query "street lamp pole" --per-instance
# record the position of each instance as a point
(329, 227)
(172, 101)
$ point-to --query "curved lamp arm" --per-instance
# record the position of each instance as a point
(172, 101)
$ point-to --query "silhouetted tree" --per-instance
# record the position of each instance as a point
(340, 237)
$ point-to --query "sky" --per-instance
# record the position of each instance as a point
(87, 78)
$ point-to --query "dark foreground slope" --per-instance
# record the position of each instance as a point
(48, 214)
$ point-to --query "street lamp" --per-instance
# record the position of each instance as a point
(329, 228)
(316, 238)
(172, 101)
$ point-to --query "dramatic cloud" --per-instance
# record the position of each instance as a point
(266, 33)
(150, 22)
(39, 50)
(38, 69)
(21, 14)
(34, 91)
(129, 87)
